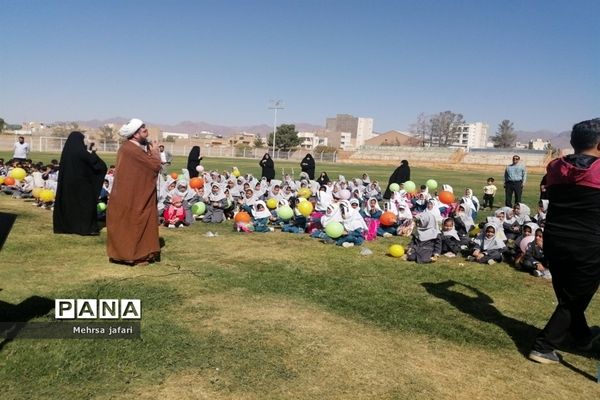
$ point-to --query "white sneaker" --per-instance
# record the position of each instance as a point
(347, 244)
(171, 226)
(449, 254)
(271, 229)
(491, 262)
(387, 234)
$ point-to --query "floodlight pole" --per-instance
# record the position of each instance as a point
(276, 105)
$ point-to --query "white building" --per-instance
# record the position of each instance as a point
(309, 140)
(175, 135)
(360, 128)
(473, 135)
(539, 144)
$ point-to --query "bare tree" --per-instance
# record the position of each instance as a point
(422, 128)
(444, 128)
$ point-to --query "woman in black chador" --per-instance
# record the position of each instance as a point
(400, 175)
(193, 161)
(308, 165)
(79, 182)
(268, 167)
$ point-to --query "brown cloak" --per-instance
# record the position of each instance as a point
(132, 215)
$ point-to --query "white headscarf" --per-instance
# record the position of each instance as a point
(130, 128)
(353, 220)
(523, 216)
(495, 243)
(452, 232)
(332, 214)
(265, 213)
(427, 229)
(214, 197)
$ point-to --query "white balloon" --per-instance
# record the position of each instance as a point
(200, 168)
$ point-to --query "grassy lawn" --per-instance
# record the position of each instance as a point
(278, 316)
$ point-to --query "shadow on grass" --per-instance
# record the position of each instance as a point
(481, 307)
(32, 307)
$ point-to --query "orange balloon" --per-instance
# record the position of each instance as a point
(243, 217)
(196, 183)
(9, 181)
(446, 197)
(174, 175)
(388, 218)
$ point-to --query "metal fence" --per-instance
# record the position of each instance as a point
(52, 144)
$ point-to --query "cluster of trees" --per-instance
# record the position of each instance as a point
(8, 127)
(442, 129)
(286, 137)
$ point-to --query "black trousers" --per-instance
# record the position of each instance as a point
(511, 187)
(575, 267)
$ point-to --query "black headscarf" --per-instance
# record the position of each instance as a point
(79, 182)
(400, 175)
(323, 179)
(268, 167)
(308, 165)
(193, 161)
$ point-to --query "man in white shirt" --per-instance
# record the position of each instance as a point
(21, 150)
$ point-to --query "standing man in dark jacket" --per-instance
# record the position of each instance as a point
(515, 176)
(572, 242)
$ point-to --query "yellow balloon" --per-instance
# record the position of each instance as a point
(305, 208)
(304, 192)
(272, 203)
(1, 180)
(18, 173)
(396, 250)
(36, 192)
(236, 173)
(47, 195)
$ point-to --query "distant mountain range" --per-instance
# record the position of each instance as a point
(197, 127)
(559, 140)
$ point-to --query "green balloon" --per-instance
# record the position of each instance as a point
(394, 187)
(431, 184)
(334, 229)
(285, 212)
(101, 207)
(410, 186)
(199, 208)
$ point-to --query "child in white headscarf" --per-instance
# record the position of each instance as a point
(488, 247)
(534, 260)
(426, 244)
(261, 217)
(216, 203)
(354, 224)
(450, 239)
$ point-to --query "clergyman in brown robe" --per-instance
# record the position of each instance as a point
(132, 215)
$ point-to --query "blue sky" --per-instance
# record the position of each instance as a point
(536, 63)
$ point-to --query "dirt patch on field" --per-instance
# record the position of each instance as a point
(328, 356)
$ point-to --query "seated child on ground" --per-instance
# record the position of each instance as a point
(426, 244)
(534, 260)
(450, 239)
(488, 247)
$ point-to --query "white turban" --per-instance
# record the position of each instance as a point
(131, 127)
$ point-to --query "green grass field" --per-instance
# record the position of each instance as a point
(280, 316)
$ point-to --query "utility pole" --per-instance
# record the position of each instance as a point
(275, 105)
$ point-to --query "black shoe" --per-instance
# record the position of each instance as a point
(551, 357)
